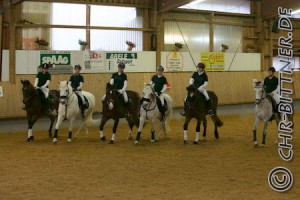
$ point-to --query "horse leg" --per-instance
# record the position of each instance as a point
(103, 122)
(197, 131)
(216, 133)
(58, 123)
(138, 135)
(113, 137)
(31, 122)
(153, 131)
(52, 118)
(257, 121)
(70, 130)
(185, 129)
(204, 130)
(265, 132)
(131, 124)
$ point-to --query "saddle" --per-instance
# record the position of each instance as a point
(80, 103)
(159, 104)
(273, 102)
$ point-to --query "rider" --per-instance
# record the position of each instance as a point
(119, 80)
(42, 80)
(76, 82)
(200, 80)
(159, 82)
(271, 87)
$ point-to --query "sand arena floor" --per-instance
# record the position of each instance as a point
(228, 168)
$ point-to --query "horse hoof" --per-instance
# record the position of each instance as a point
(129, 138)
(195, 142)
(69, 140)
(136, 142)
(28, 140)
(152, 141)
(255, 143)
(111, 142)
(184, 141)
(103, 138)
(31, 138)
(55, 140)
(203, 139)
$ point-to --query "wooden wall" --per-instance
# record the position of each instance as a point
(231, 88)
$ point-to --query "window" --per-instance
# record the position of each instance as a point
(230, 6)
(229, 35)
(194, 36)
(115, 40)
(67, 14)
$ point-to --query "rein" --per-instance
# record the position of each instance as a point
(67, 100)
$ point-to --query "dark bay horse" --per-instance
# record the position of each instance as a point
(195, 108)
(34, 102)
(115, 108)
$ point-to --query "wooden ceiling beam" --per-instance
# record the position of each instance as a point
(14, 2)
(167, 5)
(269, 8)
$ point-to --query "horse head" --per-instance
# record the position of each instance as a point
(28, 91)
(191, 90)
(111, 96)
(259, 91)
(64, 91)
(148, 94)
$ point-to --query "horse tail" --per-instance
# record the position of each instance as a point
(217, 121)
(170, 113)
(89, 121)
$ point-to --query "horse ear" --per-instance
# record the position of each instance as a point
(254, 81)
(22, 81)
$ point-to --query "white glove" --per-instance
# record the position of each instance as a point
(80, 86)
(121, 91)
(201, 89)
(36, 82)
(46, 84)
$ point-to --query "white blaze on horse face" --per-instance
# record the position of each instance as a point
(258, 94)
(111, 106)
(191, 94)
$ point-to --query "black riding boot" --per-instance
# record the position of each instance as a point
(161, 110)
(209, 107)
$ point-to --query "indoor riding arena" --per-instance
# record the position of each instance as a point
(150, 99)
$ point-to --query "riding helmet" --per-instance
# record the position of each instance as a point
(272, 69)
(77, 67)
(121, 65)
(45, 66)
(201, 65)
(160, 68)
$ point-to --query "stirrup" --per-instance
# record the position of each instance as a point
(211, 113)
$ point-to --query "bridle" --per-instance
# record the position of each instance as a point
(149, 100)
(262, 97)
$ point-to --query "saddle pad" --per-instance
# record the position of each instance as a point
(80, 101)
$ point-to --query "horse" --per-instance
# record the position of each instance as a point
(69, 109)
(195, 108)
(114, 108)
(150, 111)
(263, 110)
(34, 101)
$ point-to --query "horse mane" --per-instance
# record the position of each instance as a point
(149, 85)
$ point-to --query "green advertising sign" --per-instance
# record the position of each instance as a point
(56, 58)
(121, 56)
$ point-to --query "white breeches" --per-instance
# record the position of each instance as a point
(125, 97)
(45, 91)
(276, 97)
(204, 92)
(81, 96)
(161, 98)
